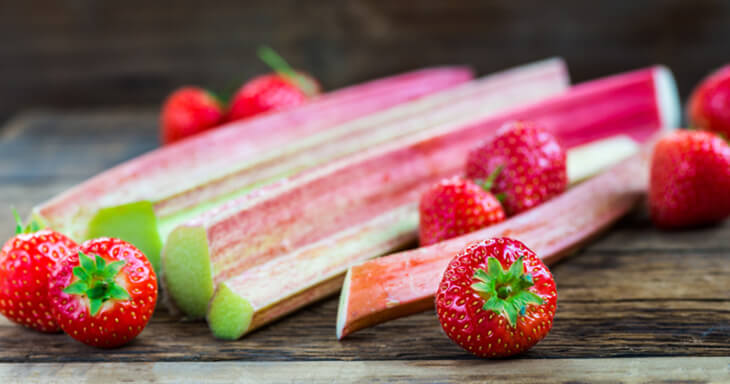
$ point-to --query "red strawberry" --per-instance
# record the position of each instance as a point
(285, 88)
(709, 104)
(454, 207)
(188, 111)
(532, 164)
(496, 298)
(104, 295)
(26, 262)
(690, 180)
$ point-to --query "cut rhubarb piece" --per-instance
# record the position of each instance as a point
(447, 108)
(178, 180)
(329, 218)
(405, 283)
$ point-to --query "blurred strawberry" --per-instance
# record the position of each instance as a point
(532, 163)
(690, 180)
(282, 89)
(188, 111)
(456, 206)
(709, 104)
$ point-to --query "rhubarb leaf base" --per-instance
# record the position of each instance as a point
(229, 316)
(188, 276)
(135, 223)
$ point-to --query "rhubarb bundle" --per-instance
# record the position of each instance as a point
(141, 199)
(288, 244)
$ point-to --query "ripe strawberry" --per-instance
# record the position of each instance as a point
(188, 111)
(532, 162)
(104, 299)
(454, 207)
(282, 89)
(690, 180)
(26, 262)
(496, 298)
(709, 104)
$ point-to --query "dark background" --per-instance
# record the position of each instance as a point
(91, 53)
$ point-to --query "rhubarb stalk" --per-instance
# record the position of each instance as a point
(405, 283)
(137, 200)
(286, 245)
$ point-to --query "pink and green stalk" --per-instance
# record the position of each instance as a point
(276, 250)
(444, 109)
(141, 198)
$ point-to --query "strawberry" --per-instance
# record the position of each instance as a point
(188, 111)
(496, 298)
(532, 163)
(689, 180)
(105, 294)
(282, 89)
(454, 207)
(709, 104)
(26, 261)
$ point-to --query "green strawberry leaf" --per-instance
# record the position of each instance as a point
(112, 269)
(87, 263)
(117, 292)
(100, 263)
(18, 222)
(95, 305)
(80, 272)
(77, 288)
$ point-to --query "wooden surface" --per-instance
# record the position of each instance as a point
(70, 53)
(634, 294)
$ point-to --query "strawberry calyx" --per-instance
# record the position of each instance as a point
(31, 227)
(97, 281)
(505, 292)
(281, 67)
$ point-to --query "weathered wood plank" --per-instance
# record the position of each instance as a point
(646, 370)
(636, 304)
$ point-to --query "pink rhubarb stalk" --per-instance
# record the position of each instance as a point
(450, 108)
(156, 190)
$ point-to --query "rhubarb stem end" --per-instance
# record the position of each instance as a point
(187, 272)
(229, 314)
(135, 223)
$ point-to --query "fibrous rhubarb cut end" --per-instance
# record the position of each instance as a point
(188, 274)
(230, 315)
(135, 223)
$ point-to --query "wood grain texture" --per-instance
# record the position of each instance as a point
(635, 293)
(99, 53)
(649, 370)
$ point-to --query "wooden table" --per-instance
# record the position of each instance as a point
(637, 305)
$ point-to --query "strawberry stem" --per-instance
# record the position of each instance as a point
(505, 292)
(280, 66)
(489, 182)
(97, 281)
